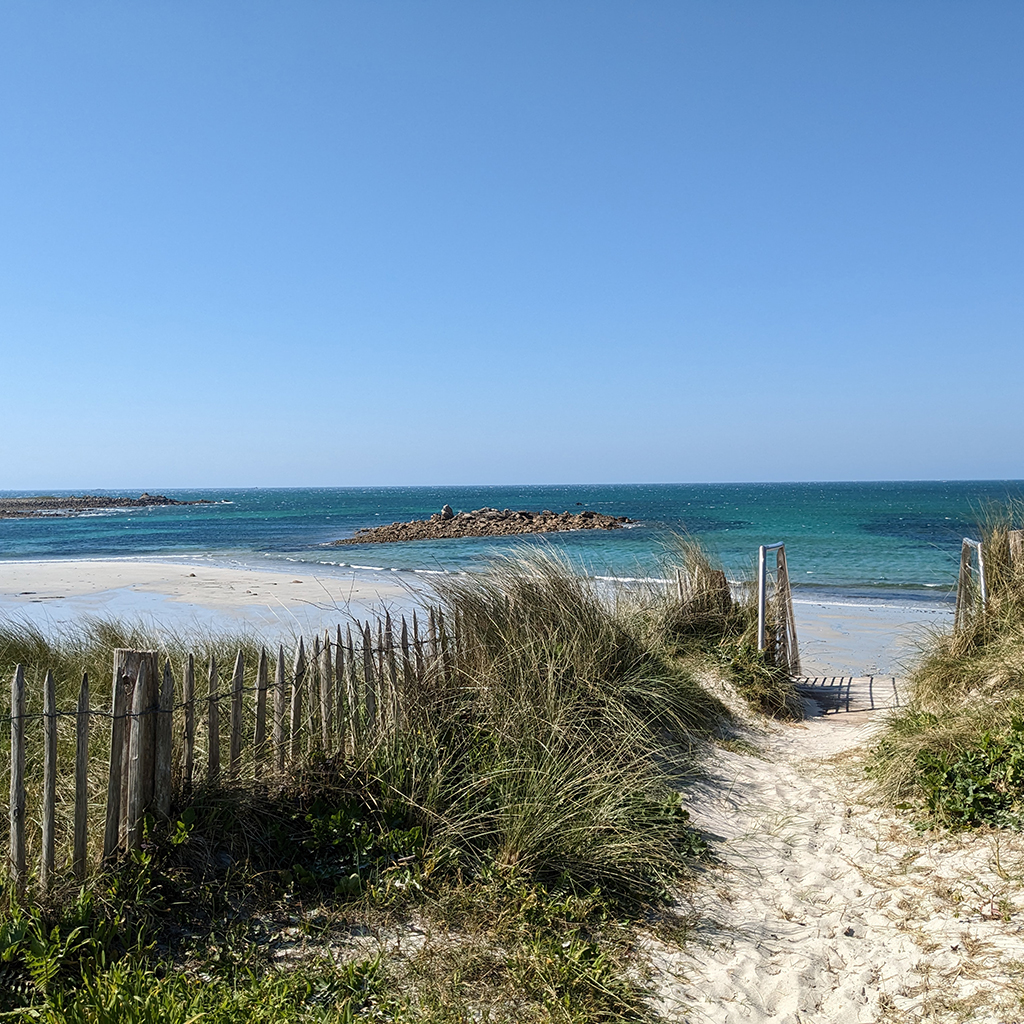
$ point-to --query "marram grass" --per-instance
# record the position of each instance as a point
(535, 786)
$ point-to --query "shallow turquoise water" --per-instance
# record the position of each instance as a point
(859, 539)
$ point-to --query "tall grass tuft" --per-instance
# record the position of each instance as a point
(554, 744)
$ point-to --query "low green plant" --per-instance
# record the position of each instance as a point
(983, 785)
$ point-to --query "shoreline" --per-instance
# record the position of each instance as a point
(836, 637)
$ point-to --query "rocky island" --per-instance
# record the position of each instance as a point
(49, 506)
(485, 522)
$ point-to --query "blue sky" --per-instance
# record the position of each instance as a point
(400, 243)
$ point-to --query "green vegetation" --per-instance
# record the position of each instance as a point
(957, 752)
(491, 857)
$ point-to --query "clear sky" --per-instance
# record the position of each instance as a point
(436, 242)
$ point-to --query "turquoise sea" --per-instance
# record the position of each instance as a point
(857, 540)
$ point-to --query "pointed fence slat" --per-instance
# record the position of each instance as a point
(78, 854)
(352, 689)
(278, 728)
(326, 694)
(188, 697)
(340, 710)
(137, 759)
(47, 859)
(369, 684)
(17, 804)
(259, 741)
(235, 741)
(298, 680)
(213, 725)
(164, 737)
(118, 723)
(418, 648)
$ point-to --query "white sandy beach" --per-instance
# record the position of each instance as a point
(835, 639)
(182, 593)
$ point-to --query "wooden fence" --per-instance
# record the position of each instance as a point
(341, 694)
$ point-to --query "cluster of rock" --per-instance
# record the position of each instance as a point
(48, 505)
(485, 522)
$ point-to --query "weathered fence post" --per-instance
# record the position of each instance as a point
(78, 855)
(235, 742)
(137, 760)
(17, 806)
(47, 857)
(417, 645)
(213, 725)
(369, 686)
(339, 690)
(326, 694)
(278, 730)
(298, 679)
(164, 743)
(188, 698)
(119, 696)
(132, 741)
(351, 687)
(1016, 538)
(259, 741)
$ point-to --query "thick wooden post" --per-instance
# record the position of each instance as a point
(298, 680)
(235, 742)
(135, 673)
(188, 698)
(78, 855)
(17, 805)
(352, 688)
(118, 728)
(213, 725)
(278, 729)
(47, 857)
(164, 742)
(259, 741)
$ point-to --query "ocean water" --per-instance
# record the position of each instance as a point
(876, 541)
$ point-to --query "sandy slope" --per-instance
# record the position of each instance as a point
(826, 909)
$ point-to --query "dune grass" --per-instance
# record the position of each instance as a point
(525, 813)
(958, 749)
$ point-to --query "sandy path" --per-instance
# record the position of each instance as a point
(826, 909)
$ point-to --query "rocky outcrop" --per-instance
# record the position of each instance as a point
(485, 522)
(48, 505)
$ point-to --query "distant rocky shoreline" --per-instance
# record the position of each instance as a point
(485, 522)
(49, 506)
